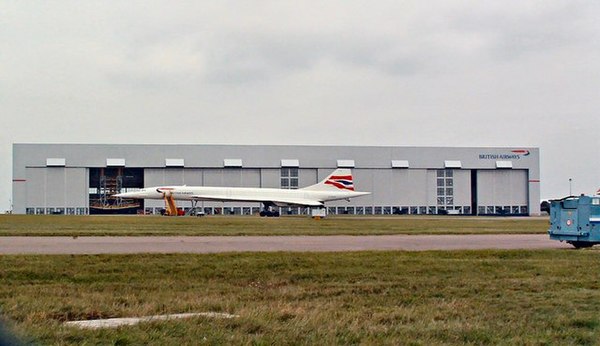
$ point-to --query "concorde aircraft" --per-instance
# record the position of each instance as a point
(339, 185)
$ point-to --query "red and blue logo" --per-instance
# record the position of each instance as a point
(521, 152)
(343, 182)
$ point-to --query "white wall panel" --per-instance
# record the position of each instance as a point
(504, 164)
(250, 177)
(502, 187)
(231, 177)
(290, 163)
(214, 176)
(174, 176)
(307, 177)
(345, 163)
(77, 187)
(400, 164)
(391, 187)
(232, 163)
(452, 164)
(270, 178)
(174, 162)
(154, 177)
(36, 187)
(193, 177)
(462, 187)
(55, 186)
(56, 162)
(115, 162)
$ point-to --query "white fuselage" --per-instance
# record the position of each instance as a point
(276, 196)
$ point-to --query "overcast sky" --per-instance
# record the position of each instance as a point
(406, 73)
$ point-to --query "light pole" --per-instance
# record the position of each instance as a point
(570, 187)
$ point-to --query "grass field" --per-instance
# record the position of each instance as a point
(215, 225)
(426, 298)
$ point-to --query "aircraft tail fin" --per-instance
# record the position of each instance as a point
(339, 180)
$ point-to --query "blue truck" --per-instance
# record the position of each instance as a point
(576, 220)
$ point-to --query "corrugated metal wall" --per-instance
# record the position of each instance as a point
(37, 186)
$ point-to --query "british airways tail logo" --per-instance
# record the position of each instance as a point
(343, 182)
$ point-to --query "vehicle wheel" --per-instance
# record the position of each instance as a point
(262, 213)
(276, 214)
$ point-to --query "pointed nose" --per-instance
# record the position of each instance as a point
(126, 195)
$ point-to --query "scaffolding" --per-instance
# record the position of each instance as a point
(108, 187)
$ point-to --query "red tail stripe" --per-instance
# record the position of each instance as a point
(345, 177)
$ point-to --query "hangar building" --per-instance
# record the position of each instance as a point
(81, 178)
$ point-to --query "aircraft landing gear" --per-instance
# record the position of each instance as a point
(195, 211)
(267, 212)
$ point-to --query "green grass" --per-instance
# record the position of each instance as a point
(420, 298)
(215, 225)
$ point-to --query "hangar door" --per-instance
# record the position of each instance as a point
(56, 190)
(502, 192)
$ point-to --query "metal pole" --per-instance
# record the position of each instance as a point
(570, 187)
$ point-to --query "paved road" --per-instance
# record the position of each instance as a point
(128, 245)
